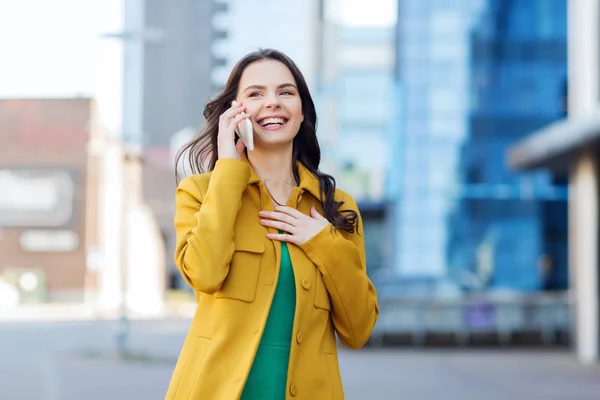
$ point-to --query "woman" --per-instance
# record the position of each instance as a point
(273, 250)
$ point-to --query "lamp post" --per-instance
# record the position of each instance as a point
(134, 37)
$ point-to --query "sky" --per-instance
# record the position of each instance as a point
(365, 12)
(54, 48)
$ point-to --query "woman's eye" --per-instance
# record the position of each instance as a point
(287, 93)
(254, 94)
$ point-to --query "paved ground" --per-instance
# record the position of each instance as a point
(73, 361)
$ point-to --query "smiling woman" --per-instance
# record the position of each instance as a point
(274, 105)
(273, 250)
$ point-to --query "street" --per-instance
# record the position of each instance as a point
(75, 360)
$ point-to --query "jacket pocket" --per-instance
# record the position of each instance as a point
(188, 367)
(322, 299)
(335, 378)
(242, 280)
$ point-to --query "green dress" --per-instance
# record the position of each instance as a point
(268, 375)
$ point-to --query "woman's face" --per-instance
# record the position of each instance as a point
(268, 90)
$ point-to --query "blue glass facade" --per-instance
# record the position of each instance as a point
(432, 66)
(356, 110)
(508, 230)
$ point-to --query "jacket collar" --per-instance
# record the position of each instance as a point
(307, 180)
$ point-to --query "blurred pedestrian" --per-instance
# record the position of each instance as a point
(274, 252)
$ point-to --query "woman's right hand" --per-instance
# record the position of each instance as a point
(228, 122)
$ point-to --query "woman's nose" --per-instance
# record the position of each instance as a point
(272, 100)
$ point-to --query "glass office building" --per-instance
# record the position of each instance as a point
(356, 105)
(476, 75)
(432, 66)
(508, 230)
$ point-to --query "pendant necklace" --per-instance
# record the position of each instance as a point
(270, 195)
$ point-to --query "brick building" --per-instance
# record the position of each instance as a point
(67, 193)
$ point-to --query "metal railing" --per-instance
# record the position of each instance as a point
(546, 315)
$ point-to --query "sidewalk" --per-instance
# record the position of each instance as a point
(65, 312)
(75, 360)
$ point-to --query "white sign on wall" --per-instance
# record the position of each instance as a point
(35, 197)
(49, 241)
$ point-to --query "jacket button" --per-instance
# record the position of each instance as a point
(293, 390)
(305, 283)
(299, 338)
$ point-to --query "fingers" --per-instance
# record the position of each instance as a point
(232, 111)
(282, 237)
(233, 122)
(230, 118)
(282, 226)
(291, 211)
(239, 146)
(297, 230)
(278, 216)
(289, 214)
(228, 122)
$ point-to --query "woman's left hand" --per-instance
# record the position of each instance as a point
(299, 227)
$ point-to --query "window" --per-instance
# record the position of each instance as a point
(366, 96)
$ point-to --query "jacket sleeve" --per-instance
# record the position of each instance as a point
(204, 225)
(340, 257)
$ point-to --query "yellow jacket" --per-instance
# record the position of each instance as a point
(223, 253)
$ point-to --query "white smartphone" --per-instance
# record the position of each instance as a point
(245, 132)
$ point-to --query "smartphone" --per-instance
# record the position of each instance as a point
(245, 132)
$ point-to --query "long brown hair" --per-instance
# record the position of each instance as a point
(201, 152)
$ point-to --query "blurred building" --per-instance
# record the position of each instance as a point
(178, 66)
(356, 103)
(289, 26)
(433, 68)
(44, 196)
(64, 210)
(508, 229)
(168, 63)
(357, 107)
(571, 148)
